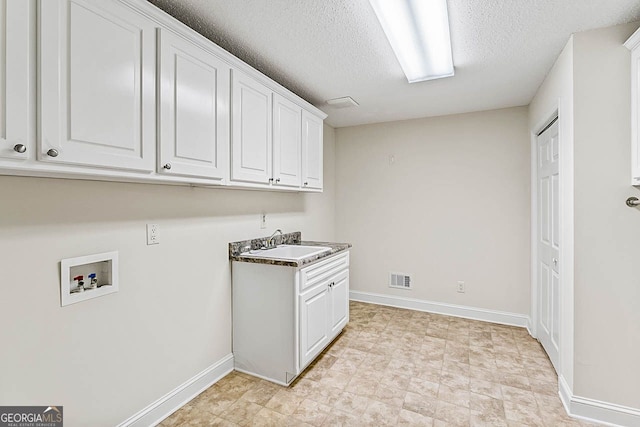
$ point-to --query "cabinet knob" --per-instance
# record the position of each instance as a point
(19, 148)
(167, 166)
(270, 180)
(278, 180)
(52, 152)
(306, 183)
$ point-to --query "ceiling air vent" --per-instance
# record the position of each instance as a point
(344, 102)
(399, 280)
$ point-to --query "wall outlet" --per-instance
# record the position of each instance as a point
(153, 234)
(461, 287)
(263, 220)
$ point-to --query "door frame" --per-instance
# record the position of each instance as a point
(564, 113)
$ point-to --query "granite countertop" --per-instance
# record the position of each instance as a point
(235, 249)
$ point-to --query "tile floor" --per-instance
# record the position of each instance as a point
(399, 368)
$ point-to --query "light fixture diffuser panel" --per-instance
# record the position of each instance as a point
(418, 31)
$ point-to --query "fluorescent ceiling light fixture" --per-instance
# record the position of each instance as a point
(418, 31)
(344, 102)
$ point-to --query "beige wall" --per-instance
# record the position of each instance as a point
(109, 357)
(454, 206)
(607, 233)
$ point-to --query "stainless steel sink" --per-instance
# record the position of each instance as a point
(289, 252)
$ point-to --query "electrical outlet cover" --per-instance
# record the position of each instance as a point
(153, 234)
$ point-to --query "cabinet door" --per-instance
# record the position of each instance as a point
(287, 130)
(338, 303)
(312, 145)
(314, 318)
(97, 85)
(15, 49)
(194, 108)
(250, 130)
(635, 113)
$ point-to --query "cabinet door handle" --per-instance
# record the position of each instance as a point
(52, 152)
(20, 148)
(167, 166)
(270, 180)
(306, 183)
(277, 180)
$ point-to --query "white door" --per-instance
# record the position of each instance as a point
(314, 319)
(15, 46)
(194, 112)
(287, 130)
(251, 151)
(97, 85)
(548, 327)
(339, 303)
(312, 145)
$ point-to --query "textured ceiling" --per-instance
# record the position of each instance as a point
(323, 49)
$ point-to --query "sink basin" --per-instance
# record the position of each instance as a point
(290, 252)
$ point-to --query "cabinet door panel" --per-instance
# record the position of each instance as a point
(97, 97)
(194, 106)
(251, 130)
(15, 46)
(314, 319)
(312, 145)
(287, 129)
(339, 303)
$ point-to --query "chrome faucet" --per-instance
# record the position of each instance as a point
(270, 243)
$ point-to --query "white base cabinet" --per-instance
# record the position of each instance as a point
(283, 317)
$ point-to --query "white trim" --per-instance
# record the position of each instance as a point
(597, 411)
(169, 403)
(483, 314)
(531, 328)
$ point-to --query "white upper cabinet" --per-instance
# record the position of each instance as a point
(287, 132)
(251, 139)
(118, 90)
(16, 140)
(97, 85)
(194, 109)
(633, 44)
(312, 145)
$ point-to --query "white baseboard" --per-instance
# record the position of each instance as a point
(597, 411)
(178, 397)
(530, 327)
(442, 308)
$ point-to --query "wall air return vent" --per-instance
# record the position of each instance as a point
(399, 280)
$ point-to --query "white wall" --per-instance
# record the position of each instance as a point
(607, 233)
(107, 358)
(591, 83)
(555, 96)
(454, 206)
